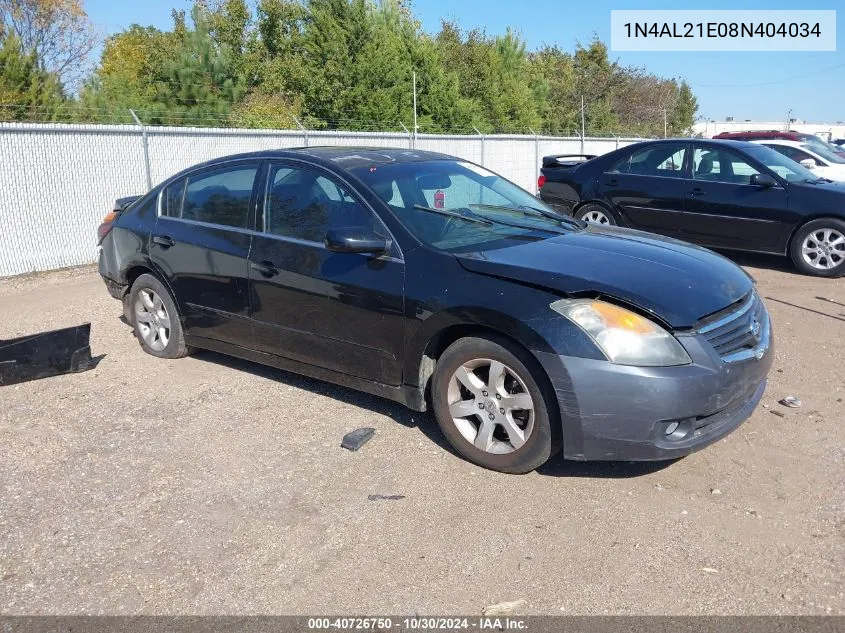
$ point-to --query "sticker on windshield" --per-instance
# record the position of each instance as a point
(476, 169)
(439, 200)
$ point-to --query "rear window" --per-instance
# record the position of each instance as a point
(220, 197)
(171, 199)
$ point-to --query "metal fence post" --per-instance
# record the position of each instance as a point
(303, 130)
(482, 144)
(408, 132)
(146, 145)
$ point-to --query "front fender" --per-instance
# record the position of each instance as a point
(543, 332)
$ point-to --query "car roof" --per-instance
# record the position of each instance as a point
(761, 133)
(715, 142)
(780, 141)
(344, 157)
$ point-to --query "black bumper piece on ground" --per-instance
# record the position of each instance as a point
(46, 354)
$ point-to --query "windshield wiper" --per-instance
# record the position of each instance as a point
(452, 214)
(528, 211)
(487, 221)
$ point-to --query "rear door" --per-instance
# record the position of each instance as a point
(340, 311)
(647, 188)
(723, 209)
(201, 243)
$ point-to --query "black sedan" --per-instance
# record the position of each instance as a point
(436, 283)
(717, 193)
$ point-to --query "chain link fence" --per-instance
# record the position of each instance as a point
(57, 181)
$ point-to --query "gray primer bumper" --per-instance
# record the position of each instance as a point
(614, 412)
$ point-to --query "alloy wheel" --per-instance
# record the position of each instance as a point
(490, 405)
(824, 249)
(152, 320)
(595, 217)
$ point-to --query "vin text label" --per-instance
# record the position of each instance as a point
(703, 30)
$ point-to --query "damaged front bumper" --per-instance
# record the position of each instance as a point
(46, 354)
(617, 412)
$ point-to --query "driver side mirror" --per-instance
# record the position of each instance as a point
(763, 180)
(809, 163)
(356, 239)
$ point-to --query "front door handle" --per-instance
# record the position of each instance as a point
(266, 268)
(698, 191)
(164, 241)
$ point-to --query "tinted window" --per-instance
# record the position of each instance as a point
(780, 164)
(220, 196)
(827, 152)
(171, 199)
(304, 204)
(792, 153)
(718, 165)
(666, 160)
(460, 192)
(417, 190)
(146, 207)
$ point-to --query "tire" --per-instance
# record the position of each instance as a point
(818, 248)
(596, 214)
(155, 319)
(523, 377)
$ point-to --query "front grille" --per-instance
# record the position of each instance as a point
(742, 327)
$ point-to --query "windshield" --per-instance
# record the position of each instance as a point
(825, 152)
(784, 167)
(429, 198)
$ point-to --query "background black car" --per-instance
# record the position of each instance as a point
(721, 194)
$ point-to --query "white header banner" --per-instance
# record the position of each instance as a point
(703, 30)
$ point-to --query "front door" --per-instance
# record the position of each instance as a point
(647, 188)
(723, 209)
(341, 311)
(201, 243)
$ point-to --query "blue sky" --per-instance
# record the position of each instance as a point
(759, 86)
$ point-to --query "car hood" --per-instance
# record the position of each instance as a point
(675, 281)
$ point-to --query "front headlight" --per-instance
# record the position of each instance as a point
(625, 337)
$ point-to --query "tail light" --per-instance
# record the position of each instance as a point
(106, 225)
(541, 181)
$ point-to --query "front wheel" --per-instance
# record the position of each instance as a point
(596, 214)
(818, 248)
(489, 404)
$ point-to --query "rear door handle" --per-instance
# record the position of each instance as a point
(612, 182)
(698, 191)
(164, 240)
(266, 268)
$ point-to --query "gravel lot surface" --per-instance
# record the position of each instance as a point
(211, 486)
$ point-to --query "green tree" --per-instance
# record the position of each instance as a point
(335, 33)
(683, 114)
(199, 84)
(57, 31)
(554, 74)
(27, 92)
(131, 66)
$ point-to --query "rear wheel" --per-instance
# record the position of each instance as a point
(818, 248)
(490, 406)
(596, 214)
(156, 321)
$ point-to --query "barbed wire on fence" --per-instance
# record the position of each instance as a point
(79, 113)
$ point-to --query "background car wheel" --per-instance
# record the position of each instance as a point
(818, 248)
(490, 406)
(155, 319)
(596, 214)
